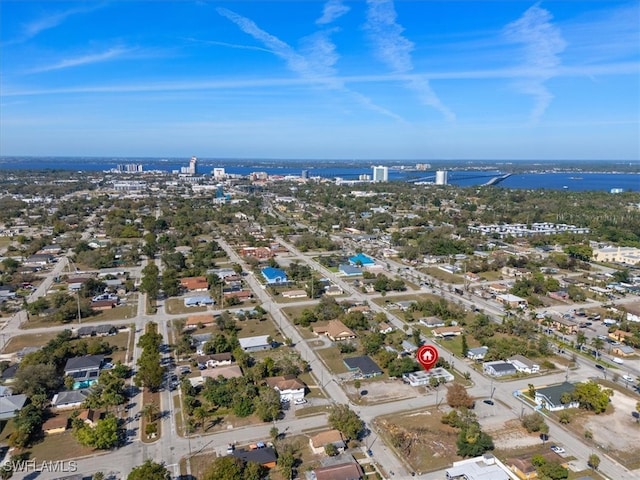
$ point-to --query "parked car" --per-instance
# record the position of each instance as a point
(600, 367)
(558, 450)
(627, 378)
(488, 401)
(300, 401)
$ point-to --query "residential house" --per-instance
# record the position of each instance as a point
(564, 325)
(498, 368)
(340, 471)
(318, 442)
(620, 335)
(477, 353)
(10, 405)
(104, 304)
(512, 301)
(55, 424)
(274, 276)
(432, 322)
(214, 360)
(261, 253)
(551, 397)
(194, 284)
(7, 292)
(523, 467)
(333, 290)
(444, 332)
(623, 350)
(523, 364)
(84, 370)
(298, 293)
(421, 378)
(39, 260)
(240, 295)
(384, 327)
(408, 347)
(405, 305)
(262, 456)
(290, 387)
(9, 373)
(363, 365)
(335, 330)
(198, 301)
(255, 344)
(69, 399)
(196, 321)
(89, 417)
(97, 331)
(498, 288)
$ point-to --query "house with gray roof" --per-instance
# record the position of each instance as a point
(551, 397)
(363, 365)
(498, 368)
(10, 405)
(255, 344)
(70, 398)
(477, 353)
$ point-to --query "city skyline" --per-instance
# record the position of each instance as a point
(336, 80)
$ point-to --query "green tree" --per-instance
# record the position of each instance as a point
(149, 470)
(346, 421)
(224, 468)
(472, 441)
(592, 396)
(150, 283)
(594, 461)
(286, 462)
(267, 404)
(465, 346)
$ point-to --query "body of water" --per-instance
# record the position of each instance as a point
(572, 181)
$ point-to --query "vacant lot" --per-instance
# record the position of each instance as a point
(381, 390)
(420, 438)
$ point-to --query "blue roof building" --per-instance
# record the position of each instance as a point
(349, 270)
(361, 259)
(274, 276)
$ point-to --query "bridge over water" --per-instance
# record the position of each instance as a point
(454, 177)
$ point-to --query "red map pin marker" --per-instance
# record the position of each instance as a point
(427, 356)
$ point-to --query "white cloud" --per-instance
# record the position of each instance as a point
(48, 22)
(316, 67)
(110, 54)
(542, 44)
(394, 50)
(332, 10)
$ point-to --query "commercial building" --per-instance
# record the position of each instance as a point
(442, 177)
(380, 174)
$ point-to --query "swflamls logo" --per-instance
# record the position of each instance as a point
(26, 466)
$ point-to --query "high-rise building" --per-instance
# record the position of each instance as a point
(129, 168)
(218, 173)
(442, 177)
(380, 174)
(305, 174)
(192, 165)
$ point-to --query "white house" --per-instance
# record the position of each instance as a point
(498, 368)
(255, 344)
(290, 387)
(551, 397)
(523, 364)
(477, 353)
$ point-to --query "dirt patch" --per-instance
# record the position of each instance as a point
(512, 435)
(379, 391)
(420, 439)
(616, 433)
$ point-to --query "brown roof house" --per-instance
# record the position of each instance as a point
(318, 442)
(443, 332)
(194, 284)
(55, 424)
(341, 471)
(290, 387)
(524, 469)
(335, 330)
(196, 321)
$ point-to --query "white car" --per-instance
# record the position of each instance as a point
(558, 450)
(300, 401)
(627, 378)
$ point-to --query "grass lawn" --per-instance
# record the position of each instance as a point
(441, 275)
(176, 306)
(18, 342)
(252, 328)
(333, 359)
(420, 438)
(59, 446)
(147, 398)
(128, 310)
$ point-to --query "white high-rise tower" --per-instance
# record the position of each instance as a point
(380, 174)
(442, 177)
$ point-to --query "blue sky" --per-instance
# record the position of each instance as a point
(374, 79)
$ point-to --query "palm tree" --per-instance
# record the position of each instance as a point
(150, 411)
(597, 343)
